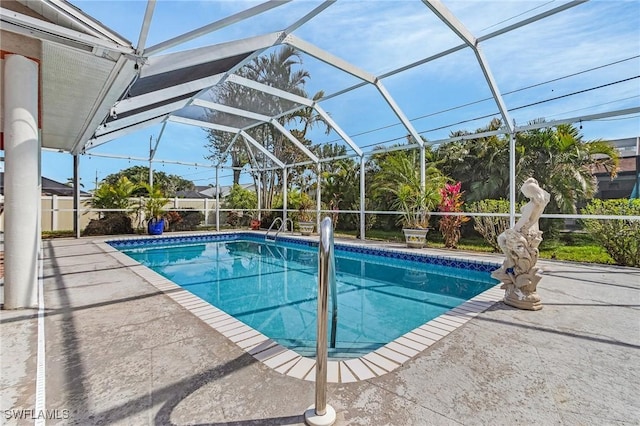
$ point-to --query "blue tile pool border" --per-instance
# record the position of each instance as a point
(286, 361)
(305, 242)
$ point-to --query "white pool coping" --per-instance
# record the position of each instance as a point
(286, 361)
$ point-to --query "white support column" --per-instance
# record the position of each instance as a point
(318, 195)
(206, 211)
(21, 182)
(258, 195)
(284, 195)
(54, 212)
(217, 200)
(423, 169)
(76, 195)
(512, 180)
(151, 161)
(362, 199)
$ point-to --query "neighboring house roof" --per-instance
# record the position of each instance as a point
(210, 191)
(226, 189)
(51, 187)
(191, 194)
(622, 186)
(627, 147)
(202, 191)
(627, 164)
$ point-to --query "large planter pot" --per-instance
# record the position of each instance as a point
(155, 226)
(415, 238)
(306, 228)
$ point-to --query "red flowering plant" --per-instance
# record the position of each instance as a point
(451, 201)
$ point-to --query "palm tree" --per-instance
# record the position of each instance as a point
(114, 196)
(278, 69)
(481, 164)
(556, 156)
(563, 164)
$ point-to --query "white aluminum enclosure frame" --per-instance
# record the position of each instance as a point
(443, 14)
(263, 42)
(163, 106)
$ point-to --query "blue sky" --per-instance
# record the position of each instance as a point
(591, 45)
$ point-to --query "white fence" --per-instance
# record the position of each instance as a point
(57, 211)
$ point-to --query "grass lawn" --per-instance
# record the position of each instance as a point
(574, 247)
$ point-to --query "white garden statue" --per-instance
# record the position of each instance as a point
(518, 273)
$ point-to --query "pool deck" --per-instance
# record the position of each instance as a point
(120, 351)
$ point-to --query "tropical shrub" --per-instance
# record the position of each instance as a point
(451, 202)
(303, 203)
(115, 196)
(188, 220)
(490, 226)
(139, 175)
(558, 157)
(242, 200)
(340, 186)
(234, 218)
(114, 223)
(620, 237)
(300, 206)
(415, 206)
(397, 181)
(153, 203)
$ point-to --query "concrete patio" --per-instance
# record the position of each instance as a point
(118, 351)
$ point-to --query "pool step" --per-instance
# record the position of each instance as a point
(339, 353)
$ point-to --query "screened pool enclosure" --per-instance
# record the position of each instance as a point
(294, 86)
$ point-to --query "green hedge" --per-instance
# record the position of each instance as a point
(620, 237)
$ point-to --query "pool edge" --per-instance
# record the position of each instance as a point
(286, 361)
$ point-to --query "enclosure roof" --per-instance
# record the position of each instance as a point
(82, 66)
(369, 58)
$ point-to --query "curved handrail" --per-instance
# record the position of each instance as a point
(271, 227)
(284, 227)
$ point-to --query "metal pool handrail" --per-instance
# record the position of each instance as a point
(284, 227)
(272, 225)
(326, 279)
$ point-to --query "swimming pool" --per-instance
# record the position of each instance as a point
(272, 287)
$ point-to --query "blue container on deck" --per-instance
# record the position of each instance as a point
(155, 226)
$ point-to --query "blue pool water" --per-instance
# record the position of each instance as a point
(272, 287)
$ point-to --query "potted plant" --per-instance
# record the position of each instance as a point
(413, 194)
(153, 208)
(305, 216)
(415, 205)
(255, 222)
